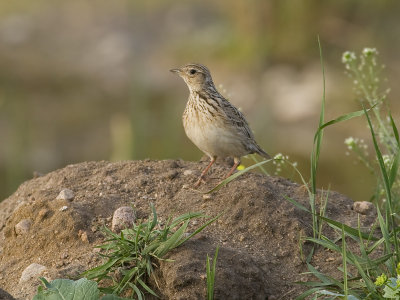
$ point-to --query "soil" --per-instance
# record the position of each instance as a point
(260, 233)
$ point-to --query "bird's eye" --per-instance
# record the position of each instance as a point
(192, 71)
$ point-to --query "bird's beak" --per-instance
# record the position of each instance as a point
(177, 71)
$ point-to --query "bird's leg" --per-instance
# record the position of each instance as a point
(201, 178)
(235, 165)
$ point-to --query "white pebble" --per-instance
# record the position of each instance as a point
(187, 172)
(66, 194)
(32, 271)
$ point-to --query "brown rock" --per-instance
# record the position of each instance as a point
(123, 217)
(23, 226)
(364, 207)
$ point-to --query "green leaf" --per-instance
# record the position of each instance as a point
(394, 127)
(349, 230)
(237, 174)
(297, 204)
(391, 290)
(137, 291)
(210, 271)
(154, 221)
(112, 297)
(199, 229)
(172, 242)
(65, 289)
(100, 270)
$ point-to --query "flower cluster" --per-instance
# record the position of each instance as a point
(279, 161)
(357, 145)
(381, 280)
(348, 58)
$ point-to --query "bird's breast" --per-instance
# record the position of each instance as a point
(209, 133)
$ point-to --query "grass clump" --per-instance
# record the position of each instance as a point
(210, 271)
(132, 255)
(372, 270)
(378, 252)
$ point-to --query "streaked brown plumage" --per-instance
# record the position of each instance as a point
(212, 123)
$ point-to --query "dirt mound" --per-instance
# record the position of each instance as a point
(258, 233)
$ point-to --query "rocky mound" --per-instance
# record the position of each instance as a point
(259, 232)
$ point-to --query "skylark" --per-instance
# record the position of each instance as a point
(212, 123)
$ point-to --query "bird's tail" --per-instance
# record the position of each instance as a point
(261, 152)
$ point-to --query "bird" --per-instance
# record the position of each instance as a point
(212, 123)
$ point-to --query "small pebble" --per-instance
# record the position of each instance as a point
(66, 194)
(32, 271)
(187, 172)
(43, 213)
(23, 226)
(84, 237)
(329, 259)
(364, 207)
(206, 197)
(63, 208)
(123, 217)
(171, 174)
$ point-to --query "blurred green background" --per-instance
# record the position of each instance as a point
(89, 80)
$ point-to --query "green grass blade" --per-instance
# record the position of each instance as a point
(349, 230)
(154, 222)
(147, 288)
(185, 217)
(127, 279)
(211, 275)
(138, 293)
(324, 278)
(172, 241)
(394, 128)
(394, 169)
(387, 186)
(370, 285)
(325, 243)
(344, 259)
(297, 204)
(386, 236)
(100, 271)
(198, 230)
(237, 174)
(308, 293)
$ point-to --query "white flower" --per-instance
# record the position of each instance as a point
(369, 52)
(278, 156)
(350, 142)
(348, 57)
(386, 159)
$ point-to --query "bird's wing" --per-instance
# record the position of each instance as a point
(236, 118)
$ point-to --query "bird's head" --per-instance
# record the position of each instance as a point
(196, 76)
